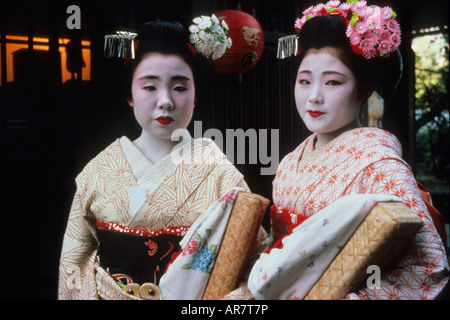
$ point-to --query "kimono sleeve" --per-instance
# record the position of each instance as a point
(421, 271)
(231, 177)
(76, 269)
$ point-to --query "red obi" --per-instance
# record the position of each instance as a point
(283, 221)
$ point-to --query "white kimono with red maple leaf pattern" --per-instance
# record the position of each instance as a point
(174, 195)
(366, 160)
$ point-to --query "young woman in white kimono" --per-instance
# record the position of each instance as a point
(341, 54)
(136, 199)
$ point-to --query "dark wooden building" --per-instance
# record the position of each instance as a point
(54, 118)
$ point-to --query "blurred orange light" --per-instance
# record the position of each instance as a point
(40, 43)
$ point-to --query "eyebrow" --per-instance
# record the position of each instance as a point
(334, 72)
(324, 73)
(173, 78)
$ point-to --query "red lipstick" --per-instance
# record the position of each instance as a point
(165, 120)
(315, 114)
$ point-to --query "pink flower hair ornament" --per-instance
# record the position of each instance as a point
(372, 31)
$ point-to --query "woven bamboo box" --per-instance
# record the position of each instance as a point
(379, 239)
(237, 243)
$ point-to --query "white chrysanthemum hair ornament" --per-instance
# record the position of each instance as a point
(209, 36)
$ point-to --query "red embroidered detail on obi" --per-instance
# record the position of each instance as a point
(153, 247)
(173, 257)
(112, 226)
(154, 273)
(169, 251)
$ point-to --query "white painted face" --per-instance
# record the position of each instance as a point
(163, 94)
(326, 94)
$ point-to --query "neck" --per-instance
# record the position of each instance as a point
(154, 148)
(324, 138)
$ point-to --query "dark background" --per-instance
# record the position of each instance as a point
(49, 130)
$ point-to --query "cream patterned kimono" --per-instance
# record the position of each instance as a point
(121, 189)
(365, 161)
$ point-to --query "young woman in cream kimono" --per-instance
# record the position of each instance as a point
(136, 199)
(337, 73)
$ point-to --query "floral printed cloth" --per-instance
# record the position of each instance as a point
(291, 271)
(186, 278)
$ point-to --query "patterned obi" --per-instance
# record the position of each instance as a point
(137, 256)
(284, 221)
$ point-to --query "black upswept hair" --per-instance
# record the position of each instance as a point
(376, 74)
(164, 37)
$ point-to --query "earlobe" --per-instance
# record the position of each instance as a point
(130, 103)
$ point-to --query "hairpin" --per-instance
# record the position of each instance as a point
(287, 46)
(120, 45)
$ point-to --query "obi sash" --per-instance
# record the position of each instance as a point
(284, 221)
(136, 256)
